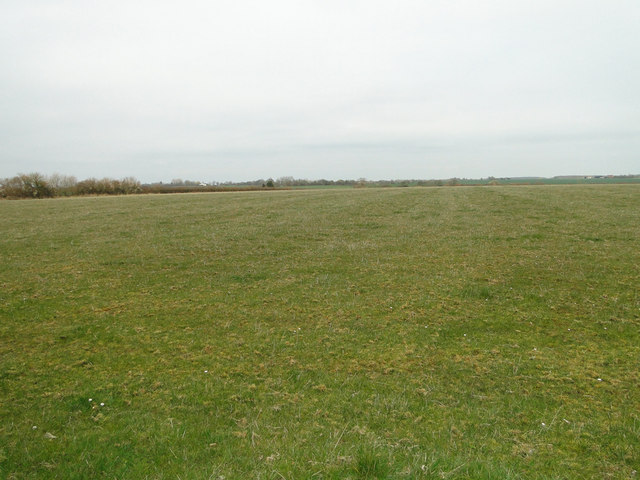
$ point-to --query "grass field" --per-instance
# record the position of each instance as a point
(470, 332)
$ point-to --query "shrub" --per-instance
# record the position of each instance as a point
(108, 186)
(32, 185)
(63, 185)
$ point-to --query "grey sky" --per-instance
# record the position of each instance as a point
(239, 90)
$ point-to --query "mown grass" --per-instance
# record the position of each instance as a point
(476, 332)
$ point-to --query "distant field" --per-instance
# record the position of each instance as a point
(476, 332)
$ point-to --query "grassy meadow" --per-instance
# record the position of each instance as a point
(401, 333)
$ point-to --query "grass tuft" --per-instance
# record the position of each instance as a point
(369, 465)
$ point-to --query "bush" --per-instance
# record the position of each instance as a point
(32, 185)
(108, 186)
(62, 185)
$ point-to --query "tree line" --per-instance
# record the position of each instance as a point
(36, 185)
(287, 182)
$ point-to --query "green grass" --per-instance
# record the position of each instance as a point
(477, 332)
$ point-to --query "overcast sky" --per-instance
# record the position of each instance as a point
(240, 90)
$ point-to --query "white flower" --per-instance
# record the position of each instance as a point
(599, 379)
(206, 371)
(543, 424)
(91, 399)
(102, 404)
(34, 427)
